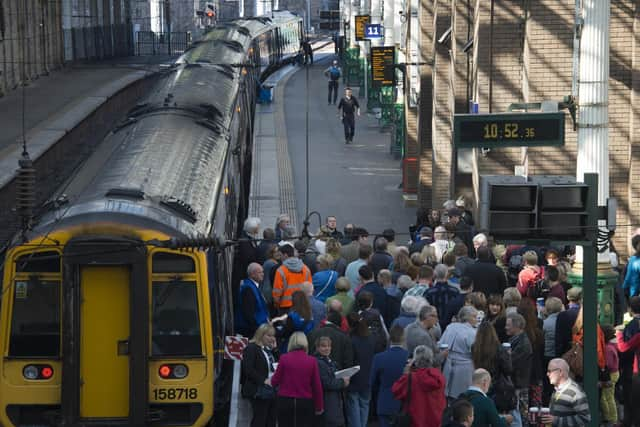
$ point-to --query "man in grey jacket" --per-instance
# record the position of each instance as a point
(421, 332)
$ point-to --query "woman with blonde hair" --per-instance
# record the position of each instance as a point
(258, 364)
(297, 379)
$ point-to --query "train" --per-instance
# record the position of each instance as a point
(116, 300)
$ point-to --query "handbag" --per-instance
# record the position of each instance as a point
(403, 419)
(265, 392)
(575, 359)
(504, 394)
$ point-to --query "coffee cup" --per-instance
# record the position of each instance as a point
(443, 346)
(506, 345)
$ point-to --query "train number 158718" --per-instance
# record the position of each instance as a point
(175, 393)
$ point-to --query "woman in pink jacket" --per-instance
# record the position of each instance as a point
(297, 379)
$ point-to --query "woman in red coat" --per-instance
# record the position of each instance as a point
(427, 401)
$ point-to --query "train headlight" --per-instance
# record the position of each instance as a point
(31, 372)
(180, 371)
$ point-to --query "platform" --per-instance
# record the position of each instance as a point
(55, 104)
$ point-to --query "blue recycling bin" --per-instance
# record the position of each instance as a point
(265, 95)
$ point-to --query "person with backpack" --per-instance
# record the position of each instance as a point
(531, 278)
(374, 320)
(333, 74)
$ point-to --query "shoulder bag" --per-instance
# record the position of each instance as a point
(403, 419)
(575, 359)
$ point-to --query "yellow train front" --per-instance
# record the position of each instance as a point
(105, 330)
(116, 302)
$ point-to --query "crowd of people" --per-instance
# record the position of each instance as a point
(445, 327)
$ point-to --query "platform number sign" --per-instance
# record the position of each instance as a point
(373, 31)
(361, 23)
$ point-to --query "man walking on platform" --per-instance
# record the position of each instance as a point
(333, 73)
(350, 106)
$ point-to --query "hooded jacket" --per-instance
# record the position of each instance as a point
(288, 279)
(427, 401)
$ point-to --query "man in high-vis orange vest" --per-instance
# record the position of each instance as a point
(289, 278)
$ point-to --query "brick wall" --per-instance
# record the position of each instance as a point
(523, 52)
(442, 106)
(423, 119)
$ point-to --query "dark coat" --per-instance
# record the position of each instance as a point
(387, 368)
(332, 388)
(522, 358)
(487, 277)
(380, 260)
(419, 245)
(363, 352)
(485, 413)
(379, 297)
(564, 324)
(254, 369)
(247, 252)
(341, 347)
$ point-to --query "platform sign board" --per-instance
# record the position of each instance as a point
(373, 31)
(382, 66)
(508, 130)
(361, 22)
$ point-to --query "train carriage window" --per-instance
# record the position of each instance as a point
(164, 262)
(176, 323)
(41, 262)
(35, 323)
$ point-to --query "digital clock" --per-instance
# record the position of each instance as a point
(508, 130)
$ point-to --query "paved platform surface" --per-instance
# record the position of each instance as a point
(54, 104)
(359, 182)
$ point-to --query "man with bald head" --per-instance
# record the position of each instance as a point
(569, 406)
(485, 412)
(252, 310)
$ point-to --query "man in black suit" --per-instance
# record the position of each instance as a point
(486, 275)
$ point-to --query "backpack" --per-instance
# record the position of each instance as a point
(504, 394)
(514, 267)
(376, 328)
(334, 73)
(535, 288)
(539, 289)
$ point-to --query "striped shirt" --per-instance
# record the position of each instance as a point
(569, 405)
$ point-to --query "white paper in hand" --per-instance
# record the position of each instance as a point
(348, 373)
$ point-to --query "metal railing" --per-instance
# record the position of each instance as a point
(163, 43)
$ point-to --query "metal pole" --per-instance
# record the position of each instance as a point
(590, 301)
(306, 121)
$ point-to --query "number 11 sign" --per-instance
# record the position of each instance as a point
(373, 31)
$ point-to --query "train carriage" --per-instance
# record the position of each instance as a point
(111, 314)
